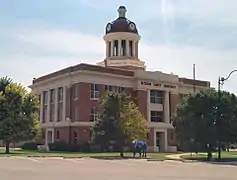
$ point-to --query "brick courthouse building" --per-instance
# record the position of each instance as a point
(69, 97)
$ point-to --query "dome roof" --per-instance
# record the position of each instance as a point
(121, 24)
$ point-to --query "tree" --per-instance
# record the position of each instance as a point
(195, 119)
(18, 113)
(118, 121)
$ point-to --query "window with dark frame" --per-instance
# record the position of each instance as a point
(75, 137)
(75, 91)
(156, 97)
(108, 88)
(57, 135)
(93, 114)
(94, 91)
(52, 105)
(156, 116)
(60, 104)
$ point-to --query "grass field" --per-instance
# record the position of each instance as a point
(226, 156)
(19, 152)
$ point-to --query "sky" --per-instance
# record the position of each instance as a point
(39, 37)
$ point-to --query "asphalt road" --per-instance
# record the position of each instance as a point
(19, 168)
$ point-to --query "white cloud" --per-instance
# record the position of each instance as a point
(88, 48)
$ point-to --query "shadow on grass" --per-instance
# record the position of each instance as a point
(223, 161)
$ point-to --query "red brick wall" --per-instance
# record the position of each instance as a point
(141, 101)
(151, 137)
(174, 101)
(63, 134)
(172, 139)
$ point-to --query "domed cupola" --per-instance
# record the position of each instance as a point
(121, 24)
(122, 41)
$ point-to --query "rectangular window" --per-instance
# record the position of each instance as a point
(60, 94)
(94, 91)
(52, 105)
(156, 116)
(75, 91)
(45, 97)
(45, 105)
(75, 137)
(130, 48)
(108, 88)
(93, 114)
(156, 97)
(57, 135)
(121, 89)
(60, 111)
(60, 104)
(123, 48)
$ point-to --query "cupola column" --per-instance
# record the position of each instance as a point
(134, 49)
(107, 50)
(112, 48)
(119, 47)
(127, 47)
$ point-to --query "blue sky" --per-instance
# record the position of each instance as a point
(38, 37)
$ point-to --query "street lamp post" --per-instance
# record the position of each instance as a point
(221, 81)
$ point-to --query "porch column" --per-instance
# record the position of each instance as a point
(48, 107)
(119, 47)
(41, 106)
(166, 107)
(56, 106)
(148, 105)
(64, 102)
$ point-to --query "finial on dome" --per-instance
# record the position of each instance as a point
(122, 11)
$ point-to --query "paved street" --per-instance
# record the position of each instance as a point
(19, 168)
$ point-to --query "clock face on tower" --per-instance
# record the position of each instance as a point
(108, 27)
(132, 26)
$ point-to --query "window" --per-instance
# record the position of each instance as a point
(60, 104)
(156, 97)
(60, 94)
(45, 105)
(75, 137)
(60, 111)
(94, 91)
(57, 135)
(123, 48)
(156, 116)
(108, 88)
(121, 89)
(52, 105)
(75, 91)
(93, 114)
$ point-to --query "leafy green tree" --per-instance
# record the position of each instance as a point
(118, 121)
(196, 119)
(18, 113)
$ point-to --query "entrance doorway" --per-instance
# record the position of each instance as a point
(49, 137)
(160, 141)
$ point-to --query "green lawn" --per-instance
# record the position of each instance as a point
(226, 156)
(18, 152)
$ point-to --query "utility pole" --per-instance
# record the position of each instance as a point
(194, 78)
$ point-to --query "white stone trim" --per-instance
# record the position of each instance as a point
(65, 123)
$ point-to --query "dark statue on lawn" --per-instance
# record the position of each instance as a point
(140, 147)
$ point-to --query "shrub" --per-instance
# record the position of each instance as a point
(59, 146)
(85, 147)
(30, 146)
